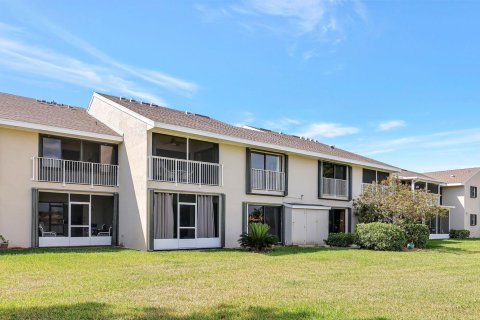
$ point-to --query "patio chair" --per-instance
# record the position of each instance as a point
(3, 242)
(105, 233)
(44, 233)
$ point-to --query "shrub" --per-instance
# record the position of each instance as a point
(417, 234)
(459, 234)
(380, 236)
(257, 238)
(340, 239)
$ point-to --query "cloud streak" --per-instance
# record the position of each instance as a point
(390, 125)
(327, 130)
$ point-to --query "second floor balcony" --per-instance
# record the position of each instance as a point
(165, 169)
(74, 172)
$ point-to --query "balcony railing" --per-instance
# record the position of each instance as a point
(185, 171)
(74, 172)
(267, 180)
(336, 188)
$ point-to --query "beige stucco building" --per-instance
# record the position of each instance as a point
(135, 174)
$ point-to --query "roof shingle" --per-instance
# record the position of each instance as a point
(17, 108)
(454, 176)
(203, 123)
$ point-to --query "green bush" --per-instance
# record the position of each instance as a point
(380, 236)
(340, 239)
(459, 234)
(257, 238)
(417, 234)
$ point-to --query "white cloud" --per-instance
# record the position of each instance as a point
(18, 56)
(316, 23)
(391, 124)
(327, 130)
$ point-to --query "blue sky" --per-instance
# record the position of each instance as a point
(394, 80)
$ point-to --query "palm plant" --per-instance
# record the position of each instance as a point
(257, 239)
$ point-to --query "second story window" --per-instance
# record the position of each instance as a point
(334, 180)
(77, 150)
(184, 160)
(182, 148)
(371, 176)
(75, 161)
(473, 192)
(267, 171)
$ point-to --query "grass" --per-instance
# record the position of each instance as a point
(442, 282)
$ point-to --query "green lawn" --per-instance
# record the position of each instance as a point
(442, 282)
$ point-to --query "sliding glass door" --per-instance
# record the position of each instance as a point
(184, 221)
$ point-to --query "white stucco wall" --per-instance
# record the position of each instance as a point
(17, 147)
(472, 206)
(132, 159)
(455, 197)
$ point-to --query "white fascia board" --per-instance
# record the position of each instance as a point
(457, 184)
(300, 206)
(137, 116)
(154, 124)
(272, 146)
(418, 179)
(58, 130)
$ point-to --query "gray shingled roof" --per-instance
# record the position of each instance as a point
(199, 122)
(454, 176)
(411, 174)
(17, 108)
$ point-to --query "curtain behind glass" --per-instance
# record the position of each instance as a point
(206, 219)
(164, 216)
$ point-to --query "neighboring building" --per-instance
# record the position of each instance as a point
(440, 225)
(147, 177)
(460, 191)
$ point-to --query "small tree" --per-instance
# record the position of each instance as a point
(394, 202)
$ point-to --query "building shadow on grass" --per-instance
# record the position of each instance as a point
(102, 311)
(451, 246)
(82, 250)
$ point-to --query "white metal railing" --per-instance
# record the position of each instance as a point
(334, 188)
(74, 172)
(185, 171)
(267, 180)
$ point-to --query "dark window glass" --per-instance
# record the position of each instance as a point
(71, 149)
(432, 225)
(340, 172)
(169, 146)
(108, 154)
(51, 148)
(271, 215)
(443, 224)
(102, 215)
(78, 232)
(187, 198)
(433, 188)
(203, 151)
(369, 176)
(473, 220)
(257, 160)
(382, 176)
(53, 216)
(272, 162)
(80, 198)
(91, 152)
(187, 233)
(328, 170)
(79, 214)
(473, 192)
(336, 221)
(187, 216)
(420, 185)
